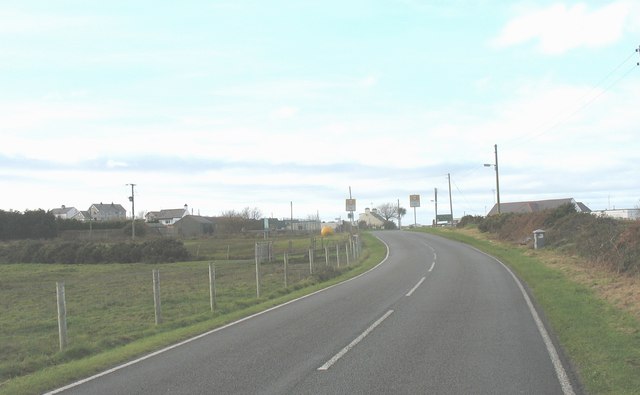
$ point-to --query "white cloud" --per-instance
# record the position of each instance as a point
(369, 81)
(20, 22)
(284, 112)
(559, 28)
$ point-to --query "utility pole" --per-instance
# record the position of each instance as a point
(133, 213)
(450, 201)
(436, 201)
(497, 179)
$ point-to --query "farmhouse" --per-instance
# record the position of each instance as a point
(371, 218)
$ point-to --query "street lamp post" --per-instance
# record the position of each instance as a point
(497, 176)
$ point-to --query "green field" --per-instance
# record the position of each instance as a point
(110, 308)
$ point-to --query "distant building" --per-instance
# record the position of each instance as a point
(536, 206)
(194, 226)
(107, 212)
(629, 213)
(65, 212)
(301, 225)
(167, 217)
(371, 218)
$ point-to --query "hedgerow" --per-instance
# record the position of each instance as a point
(605, 241)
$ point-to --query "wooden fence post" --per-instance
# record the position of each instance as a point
(346, 249)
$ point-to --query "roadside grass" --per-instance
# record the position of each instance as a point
(601, 340)
(111, 314)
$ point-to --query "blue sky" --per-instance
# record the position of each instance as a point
(227, 104)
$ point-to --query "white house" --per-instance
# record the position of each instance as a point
(371, 218)
(65, 212)
(167, 217)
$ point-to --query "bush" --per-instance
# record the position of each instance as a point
(602, 240)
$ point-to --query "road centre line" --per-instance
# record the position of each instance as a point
(432, 266)
(357, 340)
(416, 286)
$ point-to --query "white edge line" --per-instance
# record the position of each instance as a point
(561, 373)
(153, 354)
(416, 286)
(355, 341)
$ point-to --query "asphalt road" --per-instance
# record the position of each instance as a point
(436, 317)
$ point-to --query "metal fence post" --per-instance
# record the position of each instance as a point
(62, 315)
(258, 271)
(286, 259)
(212, 286)
(156, 296)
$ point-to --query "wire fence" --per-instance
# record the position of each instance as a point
(110, 305)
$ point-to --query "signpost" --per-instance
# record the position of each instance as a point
(351, 207)
(414, 201)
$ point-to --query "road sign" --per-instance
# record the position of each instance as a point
(414, 200)
(351, 204)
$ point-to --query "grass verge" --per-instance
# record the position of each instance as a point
(64, 373)
(602, 341)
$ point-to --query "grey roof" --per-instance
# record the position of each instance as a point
(196, 218)
(536, 206)
(106, 208)
(61, 210)
(169, 214)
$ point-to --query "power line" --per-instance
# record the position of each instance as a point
(586, 100)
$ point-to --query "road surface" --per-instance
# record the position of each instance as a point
(436, 317)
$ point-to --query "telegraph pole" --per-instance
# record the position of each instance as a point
(435, 190)
(450, 201)
(133, 213)
(497, 179)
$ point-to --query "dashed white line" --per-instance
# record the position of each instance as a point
(432, 266)
(357, 340)
(416, 286)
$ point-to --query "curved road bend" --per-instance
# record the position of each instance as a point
(435, 317)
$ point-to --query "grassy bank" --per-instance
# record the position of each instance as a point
(602, 341)
(111, 315)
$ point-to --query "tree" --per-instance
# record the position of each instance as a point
(388, 211)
